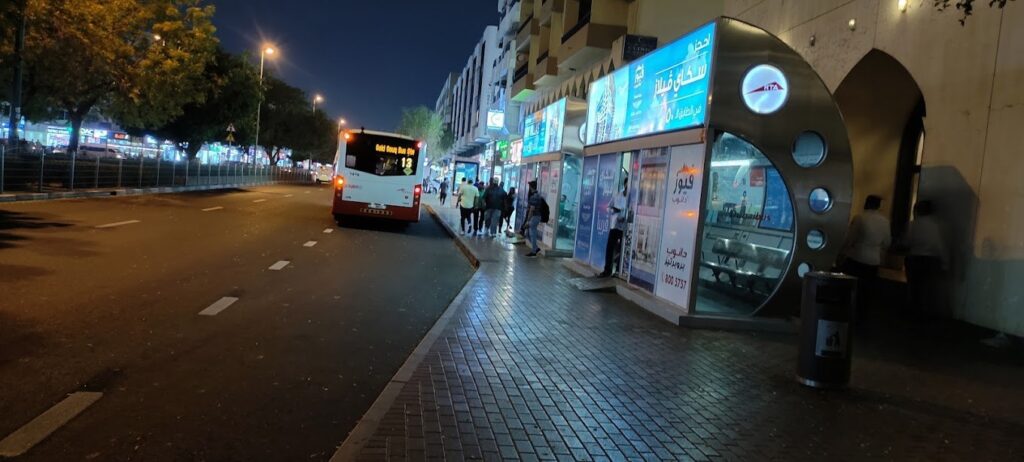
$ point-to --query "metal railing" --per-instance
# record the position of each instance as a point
(33, 170)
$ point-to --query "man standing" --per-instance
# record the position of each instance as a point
(926, 259)
(535, 215)
(494, 203)
(869, 237)
(467, 198)
(617, 222)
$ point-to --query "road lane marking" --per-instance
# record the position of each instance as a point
(120, 223)
(289, 195)
(307, 192)
(309, 244)
(257, 201)
(328, 230)
(218, 306)
(279, 265)
(212, 209)
(38, 429)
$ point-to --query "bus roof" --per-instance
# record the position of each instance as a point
(374, 132)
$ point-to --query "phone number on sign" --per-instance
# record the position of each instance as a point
(674, 281)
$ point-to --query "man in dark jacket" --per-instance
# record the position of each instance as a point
(494, 203)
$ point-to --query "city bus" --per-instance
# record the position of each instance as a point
(377, 175)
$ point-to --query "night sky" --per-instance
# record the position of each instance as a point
(368, 58)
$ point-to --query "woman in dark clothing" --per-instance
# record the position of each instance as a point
(510, 206)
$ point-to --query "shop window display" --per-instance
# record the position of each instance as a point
(747, 240)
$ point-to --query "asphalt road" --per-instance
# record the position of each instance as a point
(283, 373)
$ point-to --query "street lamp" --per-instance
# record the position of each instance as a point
(267, 51)
(317, 99)
(341, 122)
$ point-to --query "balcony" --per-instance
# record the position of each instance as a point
(527, 29)
(522, 84)
(586, 43)
(546, 72)
(550, 6)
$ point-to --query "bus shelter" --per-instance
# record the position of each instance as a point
(736, 168)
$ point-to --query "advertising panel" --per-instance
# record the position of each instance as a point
(650, 204)
(542, 131)
(778, 210)
(631, 198)
(608, 176)
(584, 228)
(464, 170)
(551, 179)
(679, 235)
(667, 90)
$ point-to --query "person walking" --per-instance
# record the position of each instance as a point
(616, 225)
(494, 203)
(538, 213)
(926, 258)
(869, 237)
(509, 207)
(478, 209)
(442, 191)
(467, 200)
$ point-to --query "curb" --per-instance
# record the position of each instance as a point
(119, 192)
(473, 258)
(368, 424)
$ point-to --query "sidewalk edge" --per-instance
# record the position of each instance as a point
(466, 250)
(367, 425)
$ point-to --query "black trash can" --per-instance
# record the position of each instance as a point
(826, 328)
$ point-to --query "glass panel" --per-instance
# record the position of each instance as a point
(568, 203)
(748, 239)
(820, 200)
(809, 150)
(816, 239)
(803, 269)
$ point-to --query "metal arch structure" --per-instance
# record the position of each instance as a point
(808, 107)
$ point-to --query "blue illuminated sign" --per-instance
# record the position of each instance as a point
(663, 91)
(542, 131)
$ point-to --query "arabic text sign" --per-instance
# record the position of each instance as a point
(682, 215)
(665, 90)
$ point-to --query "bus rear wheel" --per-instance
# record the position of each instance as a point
(337, 219)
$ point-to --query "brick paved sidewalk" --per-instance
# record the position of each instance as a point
(531, 368)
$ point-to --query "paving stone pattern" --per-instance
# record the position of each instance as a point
(532, 369)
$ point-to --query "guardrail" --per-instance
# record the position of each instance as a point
(35, 171)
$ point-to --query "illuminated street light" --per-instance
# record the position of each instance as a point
(317, 99)
(267, 51)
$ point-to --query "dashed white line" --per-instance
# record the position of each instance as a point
(218, 306)
(120, 223)
(257, 201)
(328, 230)
(309, 244)
(307, 192)
(38, 429)
(288, 195)
(279, 265)
(212, 209)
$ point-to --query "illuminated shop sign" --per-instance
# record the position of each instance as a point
(663, 91)
(515, 151)
(542, 131)
(495, 119)
(765, 89)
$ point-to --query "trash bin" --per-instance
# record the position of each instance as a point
(826, 318)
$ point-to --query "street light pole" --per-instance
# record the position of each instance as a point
(19, 61)
(317, 99)
(263, 54)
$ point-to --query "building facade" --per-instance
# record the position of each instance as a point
(471, 96)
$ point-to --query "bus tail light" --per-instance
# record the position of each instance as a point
(339, 181)
(417, 189)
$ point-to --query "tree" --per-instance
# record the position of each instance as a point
(967, 6)
(425, 125)
(137, 61)
(231, 93)
(320, 142)
(285, 118)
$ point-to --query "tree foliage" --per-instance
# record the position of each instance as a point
(967, 6)
(230, 97)
(82, 55)
(288, 123)
(425, 125)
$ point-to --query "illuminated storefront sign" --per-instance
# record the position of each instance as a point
(666, 90)
(495, 119)
(501, 147)
(515, 151)
(765, 89)
(542, 131)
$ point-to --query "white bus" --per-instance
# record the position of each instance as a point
(377, 175)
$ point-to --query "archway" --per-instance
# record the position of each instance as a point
(883, 109)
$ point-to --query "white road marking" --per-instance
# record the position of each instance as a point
(38, 429)
(120, 223)
(257, 201)
(328, 230)
(309, 244)
(279, 265)
(212, 209)
(307, 192)
(289, 195)
(218, 306)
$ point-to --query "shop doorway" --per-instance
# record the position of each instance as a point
(884, 111)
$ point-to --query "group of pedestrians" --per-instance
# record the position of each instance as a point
(482, 209)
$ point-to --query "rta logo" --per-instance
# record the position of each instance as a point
(765, 89)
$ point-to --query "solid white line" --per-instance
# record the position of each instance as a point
(38, 429)
(120, 223)
(309, 244)
(212, 209)
(328, 230)
(218, 306)
(257, 201)
(279, 265)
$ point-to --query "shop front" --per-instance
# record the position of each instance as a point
(552, 152)
(734, 167)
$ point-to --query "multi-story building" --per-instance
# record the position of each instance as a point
(445, 103)
(471, 96)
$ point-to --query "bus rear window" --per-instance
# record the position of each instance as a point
(382, 158)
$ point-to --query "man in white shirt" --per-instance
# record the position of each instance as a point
(467, 200)
(869, 238)
(616, 224)
(926, 257)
